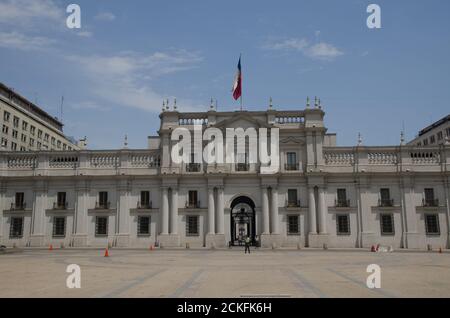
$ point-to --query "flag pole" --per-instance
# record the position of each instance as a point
(242, 91)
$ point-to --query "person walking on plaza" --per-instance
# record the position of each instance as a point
(247, 245)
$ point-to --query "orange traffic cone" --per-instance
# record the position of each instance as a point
(50, 248)
(151, 248)
(106, 253)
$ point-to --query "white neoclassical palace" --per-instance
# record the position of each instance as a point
(322, 194)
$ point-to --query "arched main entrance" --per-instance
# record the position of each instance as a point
(242, 222)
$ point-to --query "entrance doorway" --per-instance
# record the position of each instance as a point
(243, 221)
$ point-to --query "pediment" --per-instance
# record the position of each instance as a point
(242, 120)
(292, 140)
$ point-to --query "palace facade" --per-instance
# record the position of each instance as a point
(322, 194)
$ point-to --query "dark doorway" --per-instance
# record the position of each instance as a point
(243, 222)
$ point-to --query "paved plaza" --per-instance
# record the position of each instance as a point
(223, 273)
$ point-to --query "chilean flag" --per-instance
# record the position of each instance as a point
(237, 86)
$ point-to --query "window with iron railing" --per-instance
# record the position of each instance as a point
(59, 226)
(192, 225)
(342, 200)
(430, 200)
(343, 224)
(387, 224)
(293, 225)
(61, 202)
(101, 226)
(291, 161)
(143, 225)
(19, 202)
(16, 228)
(432, 224)
(385, 198)
(102, 200)
(144, 202)
(292, 200)
(193, 199)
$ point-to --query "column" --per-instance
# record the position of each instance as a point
(274, 211)
(164, 211)
(265, 211)
(322, 212)
(220, 212)
(81, 217)
(312, 211)
(211, 211)
(2, 207)
(38, 216)
(174, 212)
(123, 209)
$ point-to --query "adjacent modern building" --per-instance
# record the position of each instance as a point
(322, 194)
(26, 127)
(437, 133)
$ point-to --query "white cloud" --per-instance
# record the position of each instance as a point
(88, 105)
(323, 51)
(319, 51)
(84, 34)
(125, 79)
(105, 16)
(27, 11)
(24, 42)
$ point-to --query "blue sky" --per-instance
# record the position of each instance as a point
(128, 56)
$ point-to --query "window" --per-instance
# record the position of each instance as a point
(429, 197)
(6, 116)
(39, 145)
(32, 130)
(193, 199)
(292, 198)
(425, 142)
(101, 226)
(19, 200)
(385, 196)
(143, 225)
(61, 200)
(448, 132)
(145, 199)
(64, 146)
(293, 225)
(22, 148)
(40, 134)
(13, 146)
(59, 226)
(387, 224)
(5, 129)
(53, 141)
(23, 137)
(58, 144)
(342, 198)
(14, 133)
(4, 142)
(24, 125)
(192, 225)
(16, 228)
(432, 139)
(291, 161)
(16, 122)
(343, 224)
(46, 136)
(31, 142)
(440, 136)
(103, 200)
(432, 224)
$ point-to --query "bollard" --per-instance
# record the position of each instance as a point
(188, 246)
(429, 247)
(325, 246)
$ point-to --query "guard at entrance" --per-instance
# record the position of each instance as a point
(247, 244)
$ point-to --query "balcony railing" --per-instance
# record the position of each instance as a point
(18, 206)
(60, 205)
(430, 202)
(293, 204)
(102, 205)
(291, 167)
(193, 205)
(242, 167)
(144, 205)
(385, 202)
(342, 203)
(193, 167)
